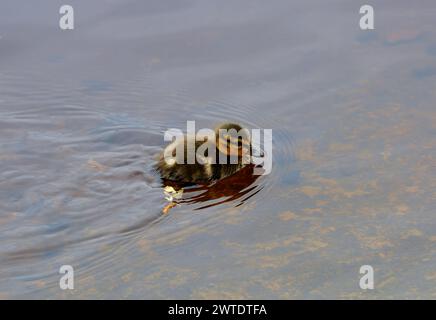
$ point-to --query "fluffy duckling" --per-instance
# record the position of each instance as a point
(231, 149)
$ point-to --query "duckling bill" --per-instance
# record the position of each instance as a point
(213, 159)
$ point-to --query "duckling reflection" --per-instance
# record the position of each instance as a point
(240, 185)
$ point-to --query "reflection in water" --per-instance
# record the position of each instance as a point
(229, 189)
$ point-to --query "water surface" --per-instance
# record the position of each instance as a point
(82, 115)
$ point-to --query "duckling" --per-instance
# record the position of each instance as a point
(231, 150)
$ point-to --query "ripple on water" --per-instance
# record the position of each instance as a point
(77, 181)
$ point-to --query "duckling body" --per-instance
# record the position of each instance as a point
(208, 170)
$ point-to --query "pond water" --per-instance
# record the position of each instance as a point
(82, 116)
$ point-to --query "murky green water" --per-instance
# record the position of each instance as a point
(353, 114)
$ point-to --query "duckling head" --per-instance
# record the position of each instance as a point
(233, 140)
